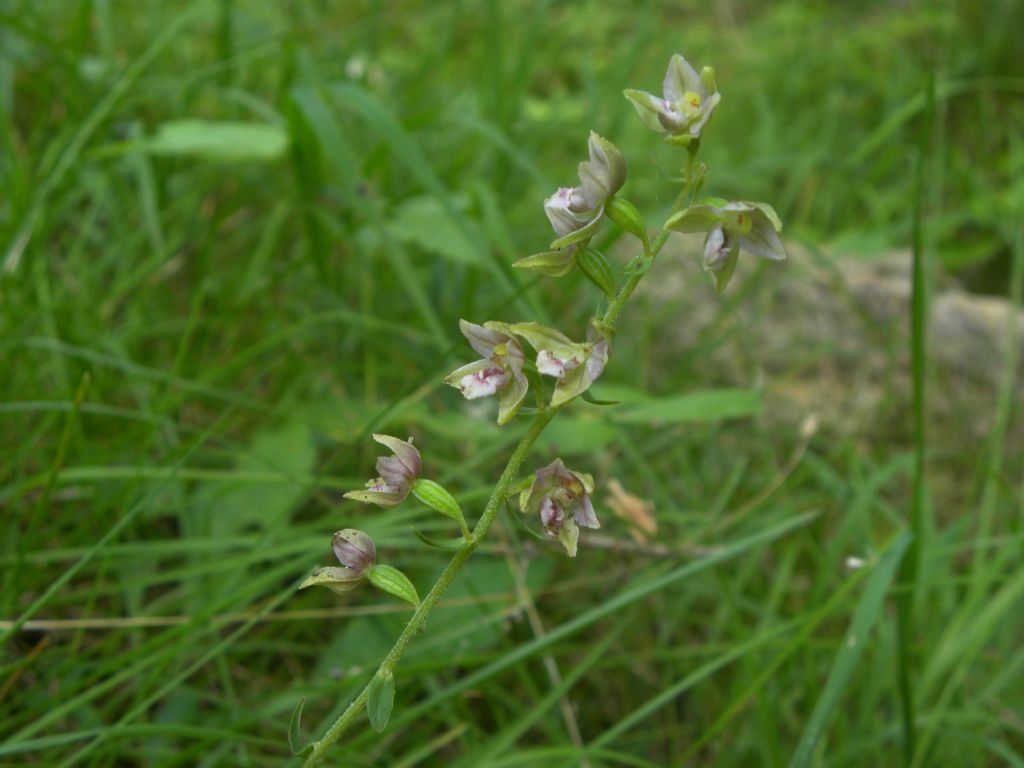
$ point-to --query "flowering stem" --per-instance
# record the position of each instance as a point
(498, 496)
(440, 587)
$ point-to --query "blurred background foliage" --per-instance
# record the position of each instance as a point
(237, 237)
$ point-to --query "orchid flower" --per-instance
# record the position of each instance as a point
(500, 371)
(752, 227)
(356, 553)
(562, 499)
(575, 365)
(397, 474)
(689, 99)
(575, 213)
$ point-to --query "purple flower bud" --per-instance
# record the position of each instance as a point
(355, 550)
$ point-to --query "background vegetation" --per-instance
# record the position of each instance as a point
(237, 238)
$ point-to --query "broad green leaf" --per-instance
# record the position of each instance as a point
(709, 405)
(218, 141)
(425, 222)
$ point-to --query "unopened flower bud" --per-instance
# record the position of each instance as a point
(354, 550)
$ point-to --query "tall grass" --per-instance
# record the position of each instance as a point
(237, 238)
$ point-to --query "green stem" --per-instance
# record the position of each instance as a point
(440, 587)
(651, 250)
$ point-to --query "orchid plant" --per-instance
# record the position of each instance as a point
(559, 498)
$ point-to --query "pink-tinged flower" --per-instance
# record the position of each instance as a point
(575, 365)
(689, 99)
(500, 372)
(357, 555)
(354, 549)
(731, 227)
(561, 497)
(397, 474)
(575, 213)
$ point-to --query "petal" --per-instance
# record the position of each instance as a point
(339, 580)
(569, 386)
(716, 248)
(552, 263)
(584, 232)
(394, 472)
(569, 536)
(354, 549)
(563, 220)
(382, 498)
(484, 383)
(404, 451)
(541, 337)
(481, 338)
(648, 106)
(551, 516)
(604, 174)
(680, 78)
(706, 109)
(583, 513)
(511, 398)
(762, 240)
(597, 361)
(454, 379)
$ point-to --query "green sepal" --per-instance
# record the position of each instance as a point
(380, 698)
(697, 218)
(437, 498)
(597, 270)
(541, 337)
(553, 263)
(391, 580)
(294, 725)
(583, 233)
(724, 273)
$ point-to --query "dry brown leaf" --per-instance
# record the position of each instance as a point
(634, 510)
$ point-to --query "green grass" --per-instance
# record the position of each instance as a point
(236, 239)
